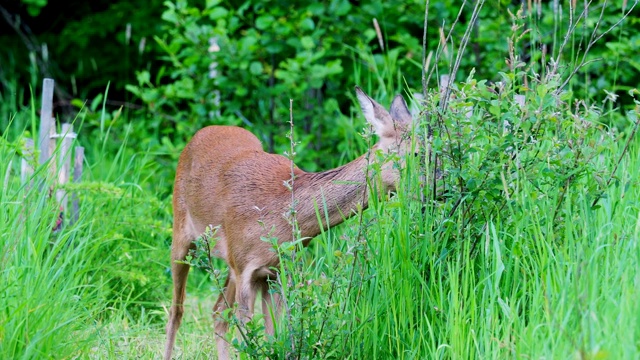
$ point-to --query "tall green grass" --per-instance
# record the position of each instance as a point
(59, 287)
(526, 290)
(44, 297)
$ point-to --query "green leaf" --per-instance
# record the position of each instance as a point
(143, 77)
(340, 7)
(255, 68)
(307, 24)
(307, 42)
(218, 13)
(265, 21)
(317, 8)
(133, 89)
(274, 47)
(170, 15)
(241, 91)
(96, 102)
(211, 3)
(77, 103)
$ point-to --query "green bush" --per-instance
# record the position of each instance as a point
(240, 64)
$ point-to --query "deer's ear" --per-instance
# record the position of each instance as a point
(399, 110)
(374, 113)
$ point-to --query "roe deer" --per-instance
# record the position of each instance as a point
(225, 179)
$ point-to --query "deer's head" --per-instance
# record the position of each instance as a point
(394, 129)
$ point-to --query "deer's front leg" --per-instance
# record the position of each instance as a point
(225, 301)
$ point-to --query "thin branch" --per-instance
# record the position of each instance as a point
(461, 50)
(615, 168)
(424, 49)
(15, 24)
(438, 50)
(427, 117)
(32, 45)
(295, 234)
(594, 39)
(572, 27)
(617, 22)
(444, 100)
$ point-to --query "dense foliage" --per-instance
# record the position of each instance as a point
(83, 45)
(239, 62)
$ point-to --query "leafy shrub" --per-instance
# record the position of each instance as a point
(241, 66)
(491, 140)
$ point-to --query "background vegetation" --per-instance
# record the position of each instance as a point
(531, 248)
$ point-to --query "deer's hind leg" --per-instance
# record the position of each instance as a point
(179, 273)
(225, 301)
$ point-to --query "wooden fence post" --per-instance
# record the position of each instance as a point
(47, 142)
(77, 176)
(64, 161)
(46, 117)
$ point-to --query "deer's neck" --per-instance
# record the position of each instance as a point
(337, 194)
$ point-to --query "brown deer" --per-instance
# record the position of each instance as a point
(225, 179)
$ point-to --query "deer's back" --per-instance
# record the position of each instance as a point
(225, 179)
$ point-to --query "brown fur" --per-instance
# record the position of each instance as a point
(225, 179)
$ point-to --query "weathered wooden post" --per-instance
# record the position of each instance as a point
(64, 162)
(46, 138)
(77, 176)
(47, 122)
(57, 173)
